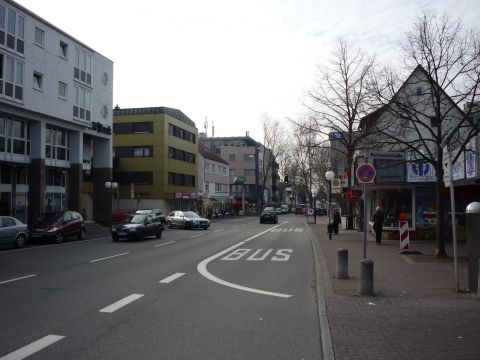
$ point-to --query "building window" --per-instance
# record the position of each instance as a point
(81, 108)
(232, 172)
(181, 133)
(137, 177)
(14, 136)
(82, 70)
(175, 179)
(11, 78)
(62, 90)
(249, 172)
(63, 50)
(39, 37)
(218, 187)
(56, 144)
(37, 81)
(12, 30)
(231, 157)
(181, 155)
(141, 152)
(248, 157)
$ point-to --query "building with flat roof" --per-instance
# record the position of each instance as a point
(155, 159)
(55, 119)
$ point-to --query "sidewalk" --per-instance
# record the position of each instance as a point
(415, 313)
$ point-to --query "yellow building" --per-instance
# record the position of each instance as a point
(155, 159)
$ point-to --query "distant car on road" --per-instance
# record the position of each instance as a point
(137, 227)
(57, 225)
(155, 212)
(13, 232)
(278, 211)
(187, 220)
(268, 215)
(299, 210)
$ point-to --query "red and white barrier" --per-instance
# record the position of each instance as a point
(404, 235)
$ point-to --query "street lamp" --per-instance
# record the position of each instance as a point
(329, 175)
(110, 186)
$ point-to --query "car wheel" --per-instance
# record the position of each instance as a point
(20, 241)
(115, 238)
(58, 238)
(158, 235)
(169, 224)
(82, 234)
(141, 237)
(187, 225)
(205, 227)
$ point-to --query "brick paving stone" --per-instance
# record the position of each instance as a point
(415, 313)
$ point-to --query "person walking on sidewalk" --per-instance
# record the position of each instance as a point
(336, 220)
(378, 219)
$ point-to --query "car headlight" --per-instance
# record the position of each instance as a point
(53, 229)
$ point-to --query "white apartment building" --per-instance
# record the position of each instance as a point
(55, 119)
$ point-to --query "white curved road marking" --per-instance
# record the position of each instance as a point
(202, 269)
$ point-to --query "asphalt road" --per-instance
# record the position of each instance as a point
(240, 290)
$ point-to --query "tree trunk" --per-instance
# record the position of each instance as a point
(440, 226)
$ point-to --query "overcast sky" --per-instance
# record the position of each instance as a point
(233, 61)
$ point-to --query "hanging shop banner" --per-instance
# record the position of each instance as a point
(419, 170)
(470, 160)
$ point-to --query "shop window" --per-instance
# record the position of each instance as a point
(396, 205)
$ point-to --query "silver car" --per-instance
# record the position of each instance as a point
(187, 220)
(13, 232)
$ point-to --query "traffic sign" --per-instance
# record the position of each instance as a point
(365, 173)
(239, 180)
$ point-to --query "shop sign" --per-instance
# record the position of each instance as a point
(470, 160)
(420, 170)
(185, 195)
(389, 171)
(178, 195)
(387, 155)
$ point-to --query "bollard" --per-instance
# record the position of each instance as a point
(342, 264)
(478, 285)
(472, 222)
(366, 277)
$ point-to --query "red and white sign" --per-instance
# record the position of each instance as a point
(365, 173)
(404, 235)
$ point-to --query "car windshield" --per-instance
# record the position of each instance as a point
(137, 219)
(191, 214)
(268, 209)
(143, 211)
(49, 216)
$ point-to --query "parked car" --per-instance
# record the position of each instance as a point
(278, 211)
(56, 226)
(268, 215)
(13, 232)
(187, 220)
(137, 227)
(155, 212)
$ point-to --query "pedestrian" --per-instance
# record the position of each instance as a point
(378, 219)
(337, 219)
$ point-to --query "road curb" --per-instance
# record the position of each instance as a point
(323, 287)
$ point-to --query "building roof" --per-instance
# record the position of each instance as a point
(247, 139)
(175, 113)
(208, 154)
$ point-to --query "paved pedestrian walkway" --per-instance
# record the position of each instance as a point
(415, 312)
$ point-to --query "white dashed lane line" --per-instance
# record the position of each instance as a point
(32, 348)
(171, 278)
(167, 243)
(194, 236)
(19, 278)
(121, 303)
(219, 230)
(109, 257)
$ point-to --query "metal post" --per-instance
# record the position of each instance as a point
(365, 220)
(454, 217)
(243, 199)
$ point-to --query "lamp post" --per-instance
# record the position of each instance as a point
(110, 186)
(329, 175)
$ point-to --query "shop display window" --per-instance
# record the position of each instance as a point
(396, 205)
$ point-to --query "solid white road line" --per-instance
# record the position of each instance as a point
(167, 243)
(19, 278)
(121, 303)
(109, 257)
(32, 348)
(202, 269)
(171, 278)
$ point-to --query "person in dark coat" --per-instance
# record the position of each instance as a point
(336, 220)
(378, 219)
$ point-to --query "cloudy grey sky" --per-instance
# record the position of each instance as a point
(233, 61)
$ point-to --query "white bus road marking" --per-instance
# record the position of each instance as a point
(19, 278)
(202, 269)
(171, 278)
(288, 230)
(32, 348)
(121, 303)
(109, 257)
(167, 243)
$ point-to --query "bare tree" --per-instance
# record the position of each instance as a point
(273, 148)
(339, 102)
(423, 115)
